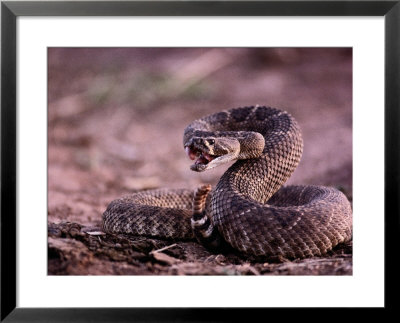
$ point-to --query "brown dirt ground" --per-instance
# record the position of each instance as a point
(115, 123)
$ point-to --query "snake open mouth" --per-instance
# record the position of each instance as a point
(200, 157)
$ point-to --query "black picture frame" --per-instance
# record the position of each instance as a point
(11, 10)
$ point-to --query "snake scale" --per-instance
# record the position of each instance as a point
(249, 209)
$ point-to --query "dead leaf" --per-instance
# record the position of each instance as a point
(162, 257)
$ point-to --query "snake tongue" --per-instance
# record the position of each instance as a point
(201, 160)
(208, 157)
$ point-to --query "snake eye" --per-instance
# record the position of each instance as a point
(211, 141)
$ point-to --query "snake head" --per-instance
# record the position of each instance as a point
(209, 152)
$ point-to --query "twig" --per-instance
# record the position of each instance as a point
(162, 249)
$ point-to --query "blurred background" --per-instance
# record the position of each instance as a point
(116, 116)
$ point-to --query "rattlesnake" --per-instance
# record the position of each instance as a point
(248, 210)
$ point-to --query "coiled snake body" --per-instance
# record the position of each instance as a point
(248, 209)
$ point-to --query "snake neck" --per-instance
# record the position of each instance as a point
(260, 178)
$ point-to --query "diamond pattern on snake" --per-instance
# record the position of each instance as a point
(250, 209)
